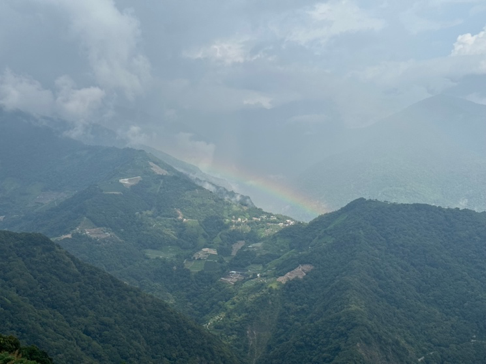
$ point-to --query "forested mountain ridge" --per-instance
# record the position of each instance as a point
(391, 284)
(80, 314)
(139, 219)
(371, 283)
(40, 168)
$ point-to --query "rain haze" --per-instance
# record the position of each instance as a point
(258, 94)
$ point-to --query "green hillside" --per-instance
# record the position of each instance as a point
(80, 314)
(38, 169)
(391, 284)
(371, 283)
(144, 222)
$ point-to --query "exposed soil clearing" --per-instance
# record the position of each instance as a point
(298, 272)
(158, 170)
(47, 197)
(204, 253)
(233, 277)
(129, 182)
(237, 246)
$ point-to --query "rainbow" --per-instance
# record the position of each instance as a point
(272, 187)
(267, 186)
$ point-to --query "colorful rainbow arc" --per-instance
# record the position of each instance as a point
(268, 186)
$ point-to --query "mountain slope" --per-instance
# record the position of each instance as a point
(390, 284)
(38, 168)
(140, 219)
(80, 314)
(433, 152)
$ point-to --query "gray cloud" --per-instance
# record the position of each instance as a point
(193, 66)
(24, 93)
(77, 106)
(109, 39)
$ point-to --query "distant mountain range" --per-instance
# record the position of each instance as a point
(433, 152)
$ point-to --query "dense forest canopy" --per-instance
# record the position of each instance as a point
(79, 314)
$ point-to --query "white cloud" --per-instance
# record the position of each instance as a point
(327, 20)
(24, 93)
(78, 106)
(225, 52)
(135, 135)
(431, 75)
(111, 40)
(468, 44)
(413, 80)
(261, 101)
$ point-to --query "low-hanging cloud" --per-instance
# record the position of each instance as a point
(77, 106)
(20, 92)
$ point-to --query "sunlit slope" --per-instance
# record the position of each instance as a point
(433, 152)
(390, 284)
(80, 314)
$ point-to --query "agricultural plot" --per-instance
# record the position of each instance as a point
(166, 252)
(195, 265)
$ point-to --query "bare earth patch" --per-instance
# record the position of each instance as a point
(237, 246)
(48, 197)
(233, 277)
(129, 182)
(204, 253)
(101, 233)
(298, 272)
(179, 214)
(158, 170)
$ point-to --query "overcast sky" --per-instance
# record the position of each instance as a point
(196, 61)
